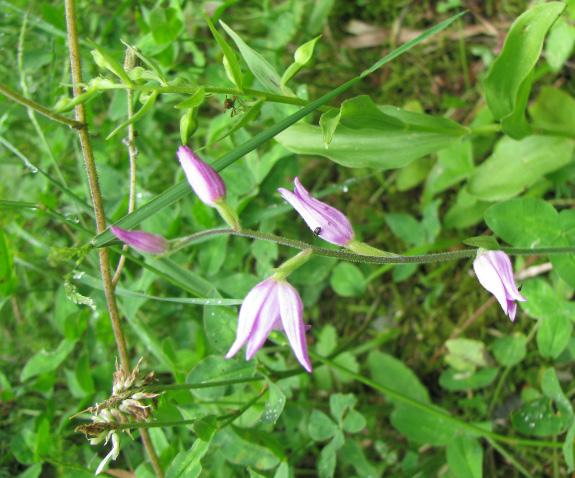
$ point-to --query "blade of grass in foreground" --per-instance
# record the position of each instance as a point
(180, 190)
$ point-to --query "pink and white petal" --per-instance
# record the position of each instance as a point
(511, 309)
(503, 265)
(489, 278)
(265, 322)
(309, 215)
(249, 311)
(291, 312)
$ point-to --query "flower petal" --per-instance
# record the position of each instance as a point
(266, 321)
(250, 310)
(291, 312)
(203, 179)
(140, 240)
(502, 264)
(489, 278)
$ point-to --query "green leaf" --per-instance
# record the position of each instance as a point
(194, 100)
(106, 60)
(302, 56)
(560, 43)
(482, 242)
(258, 65)
(178, 191)
(406, 227)
(367, 135)
(454, 164)
(395, 375)
(45, 362)
(320, 427)
(354, 422)
(187, 464)
(517, 165)
(524, 222)
(422, 426)
(454, 380)
(553, 336)
(509, 350)
(465, 355)
(328, 456)
(465, 457)
(166, 24)
(554, 111)
(242, 452)
(220, 327)
(224, 369)
(274, 405)
(7, 277)
(231, 64)
(551, 388)
(347, 280)
(340, 403)
(539, 418)
(568, 448)
(514, 65)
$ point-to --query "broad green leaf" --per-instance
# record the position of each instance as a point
(274, 405)
(258, 65)
(340, 403)
(45, 361)
(187, 464)
(560, 43)
(424, 427)
(217, 368)
(524, 222)
(367, 135)
(553, 111)
(394, 374)
(166, 24)
(320, 427)
(467, 211)
(406, 227)
(231, 62)
(413, 174)
(242, 452)
(220, 327)
(178, 191)
(509, 350)
(328, 456)
(484, 242)
(516, 165)
(454, 164)
(564, 264)
(553, 335)
(454, 380)
(354, 422)
(465, 355)
(568, 446)
(347, 280)
(539, 418)
(551, 388)
(302, 56)
(511, 71)
(106, 60)
(465, 458)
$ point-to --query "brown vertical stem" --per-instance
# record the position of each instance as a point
(96, 196)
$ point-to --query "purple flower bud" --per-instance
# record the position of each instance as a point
(272, 304)
(140, 240)
(204, 179)
(494, 272)
(325, 221)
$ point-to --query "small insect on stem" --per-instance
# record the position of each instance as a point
(317, 231)
(230, 104)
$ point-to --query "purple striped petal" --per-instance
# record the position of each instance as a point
(204, 179)
(140, 240)
(252, 307)
(291, 312)
(326, 221)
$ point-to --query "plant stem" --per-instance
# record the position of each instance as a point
(97, 203)
(133, 156)
(76, 124)
(195, 386)
(351, 257)
(505, 454)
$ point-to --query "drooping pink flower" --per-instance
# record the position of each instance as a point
(272, 304)
(494, 272)
(140, 240)
(324, 220)
(204, 179)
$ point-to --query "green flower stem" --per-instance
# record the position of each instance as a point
(196, 386)
(32, 105)
(473, 429)
(352, 257)
(292, 264)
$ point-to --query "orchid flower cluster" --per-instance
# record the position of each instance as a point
(274, 303)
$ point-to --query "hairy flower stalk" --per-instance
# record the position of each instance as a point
(273, 304)
(124, 406)
(207, 184)
(494, 272)
(141, 241)
(326, 221)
